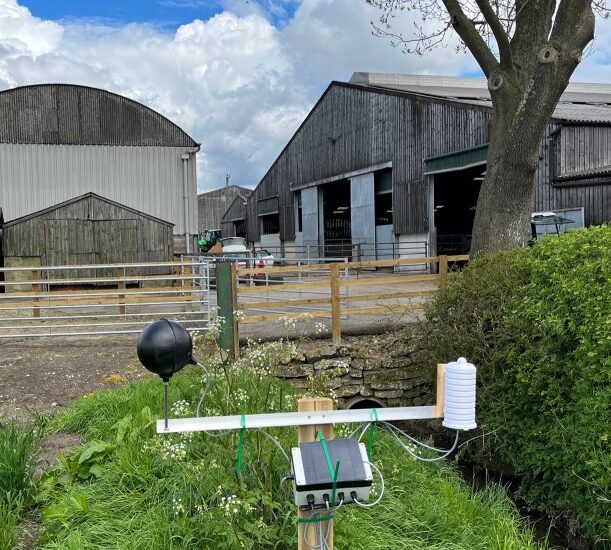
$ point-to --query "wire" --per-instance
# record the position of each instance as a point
(413, 439)
(424, 459)
(377, 501)
(277, 443)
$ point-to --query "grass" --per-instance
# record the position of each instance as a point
(127, 488)
(18, 452)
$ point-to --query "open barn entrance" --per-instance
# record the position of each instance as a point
(455, 199)
(337, 226)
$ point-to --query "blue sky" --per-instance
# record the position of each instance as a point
(167, 14)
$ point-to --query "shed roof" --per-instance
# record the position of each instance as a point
(78, 199)
(244, 191)
(581, 102)
(80, 115)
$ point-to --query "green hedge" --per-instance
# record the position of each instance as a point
(538, 324)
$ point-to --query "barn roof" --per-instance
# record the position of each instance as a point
(69, 114)
(582, 102)
(78, 199)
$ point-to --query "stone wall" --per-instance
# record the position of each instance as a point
(382, 368)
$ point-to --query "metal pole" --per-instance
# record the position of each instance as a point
(165, 403)
(185, 188)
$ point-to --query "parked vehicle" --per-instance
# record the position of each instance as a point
(235, 247)
(208, 239)
(263, 258)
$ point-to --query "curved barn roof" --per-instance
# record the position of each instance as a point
(69, 114)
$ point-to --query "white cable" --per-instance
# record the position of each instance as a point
(377, 501)
(355, 431)
(413, 439)
(277, 443)
(423, 459)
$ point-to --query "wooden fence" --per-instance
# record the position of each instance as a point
(338, 290)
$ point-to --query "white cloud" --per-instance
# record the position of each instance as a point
(235, 82)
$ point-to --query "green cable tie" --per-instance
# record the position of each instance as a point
(333, 473)
(372, 425)
(238, 466)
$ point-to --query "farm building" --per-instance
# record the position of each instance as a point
(393, 164)
(86, 230)
(233, 222)
(212, 205)
(60, 141)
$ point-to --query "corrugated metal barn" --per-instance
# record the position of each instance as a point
(213, 205)
(389, 161)
(59, 141)
(89, 229)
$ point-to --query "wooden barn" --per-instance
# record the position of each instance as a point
(85, 230)
(393, 165)
(233, 222)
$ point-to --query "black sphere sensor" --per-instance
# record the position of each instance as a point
(165, 347)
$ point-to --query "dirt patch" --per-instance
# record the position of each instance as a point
(43, 375)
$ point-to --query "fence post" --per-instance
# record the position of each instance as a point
(336, 325)
(120, 273)
(226, 287)
(308, 433)
(37, 289)
(443, 271)
(441, 378)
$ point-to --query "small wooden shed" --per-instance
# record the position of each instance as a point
(85, 230)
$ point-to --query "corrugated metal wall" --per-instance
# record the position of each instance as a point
(149, 179)
(353, 128)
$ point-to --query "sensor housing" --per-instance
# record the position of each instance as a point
(313, 483)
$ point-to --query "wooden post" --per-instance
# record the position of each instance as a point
(308, 433)
(189, 283)
(336, 323)
(234, 298)
(443, 271)
(226, 285)
(121, 285)
(441, 381)
(37, 289)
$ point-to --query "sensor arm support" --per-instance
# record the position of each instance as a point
(278, 420)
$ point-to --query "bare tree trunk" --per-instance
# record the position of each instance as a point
(504, 206)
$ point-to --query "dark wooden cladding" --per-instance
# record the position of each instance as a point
(355, 127)
(567, 151)
(88, 230)
(79, 115)
(235, 212)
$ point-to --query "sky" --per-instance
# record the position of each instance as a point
(239, 76)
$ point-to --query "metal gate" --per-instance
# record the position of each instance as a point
(92, 300)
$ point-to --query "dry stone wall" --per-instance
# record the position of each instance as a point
(382, 368)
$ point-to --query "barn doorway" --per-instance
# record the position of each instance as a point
(454, 203)
(337, 225)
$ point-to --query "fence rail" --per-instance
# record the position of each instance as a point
(338, 290)
(34, 302)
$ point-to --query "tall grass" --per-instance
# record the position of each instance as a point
(18, 452)
(183, 491)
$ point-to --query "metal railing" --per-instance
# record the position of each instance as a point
(353, 251)
(92, 300)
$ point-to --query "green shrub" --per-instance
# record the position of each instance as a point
(542, 340)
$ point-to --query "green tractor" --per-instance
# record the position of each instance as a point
(208, 239)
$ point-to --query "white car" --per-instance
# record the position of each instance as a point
(235, 247)
(263, 258)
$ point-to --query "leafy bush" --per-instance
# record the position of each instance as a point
(541, 333)
(182, 491)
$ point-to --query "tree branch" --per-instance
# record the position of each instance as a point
(472, 39)
(500, 35)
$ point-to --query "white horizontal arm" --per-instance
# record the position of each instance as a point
(276, 420)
